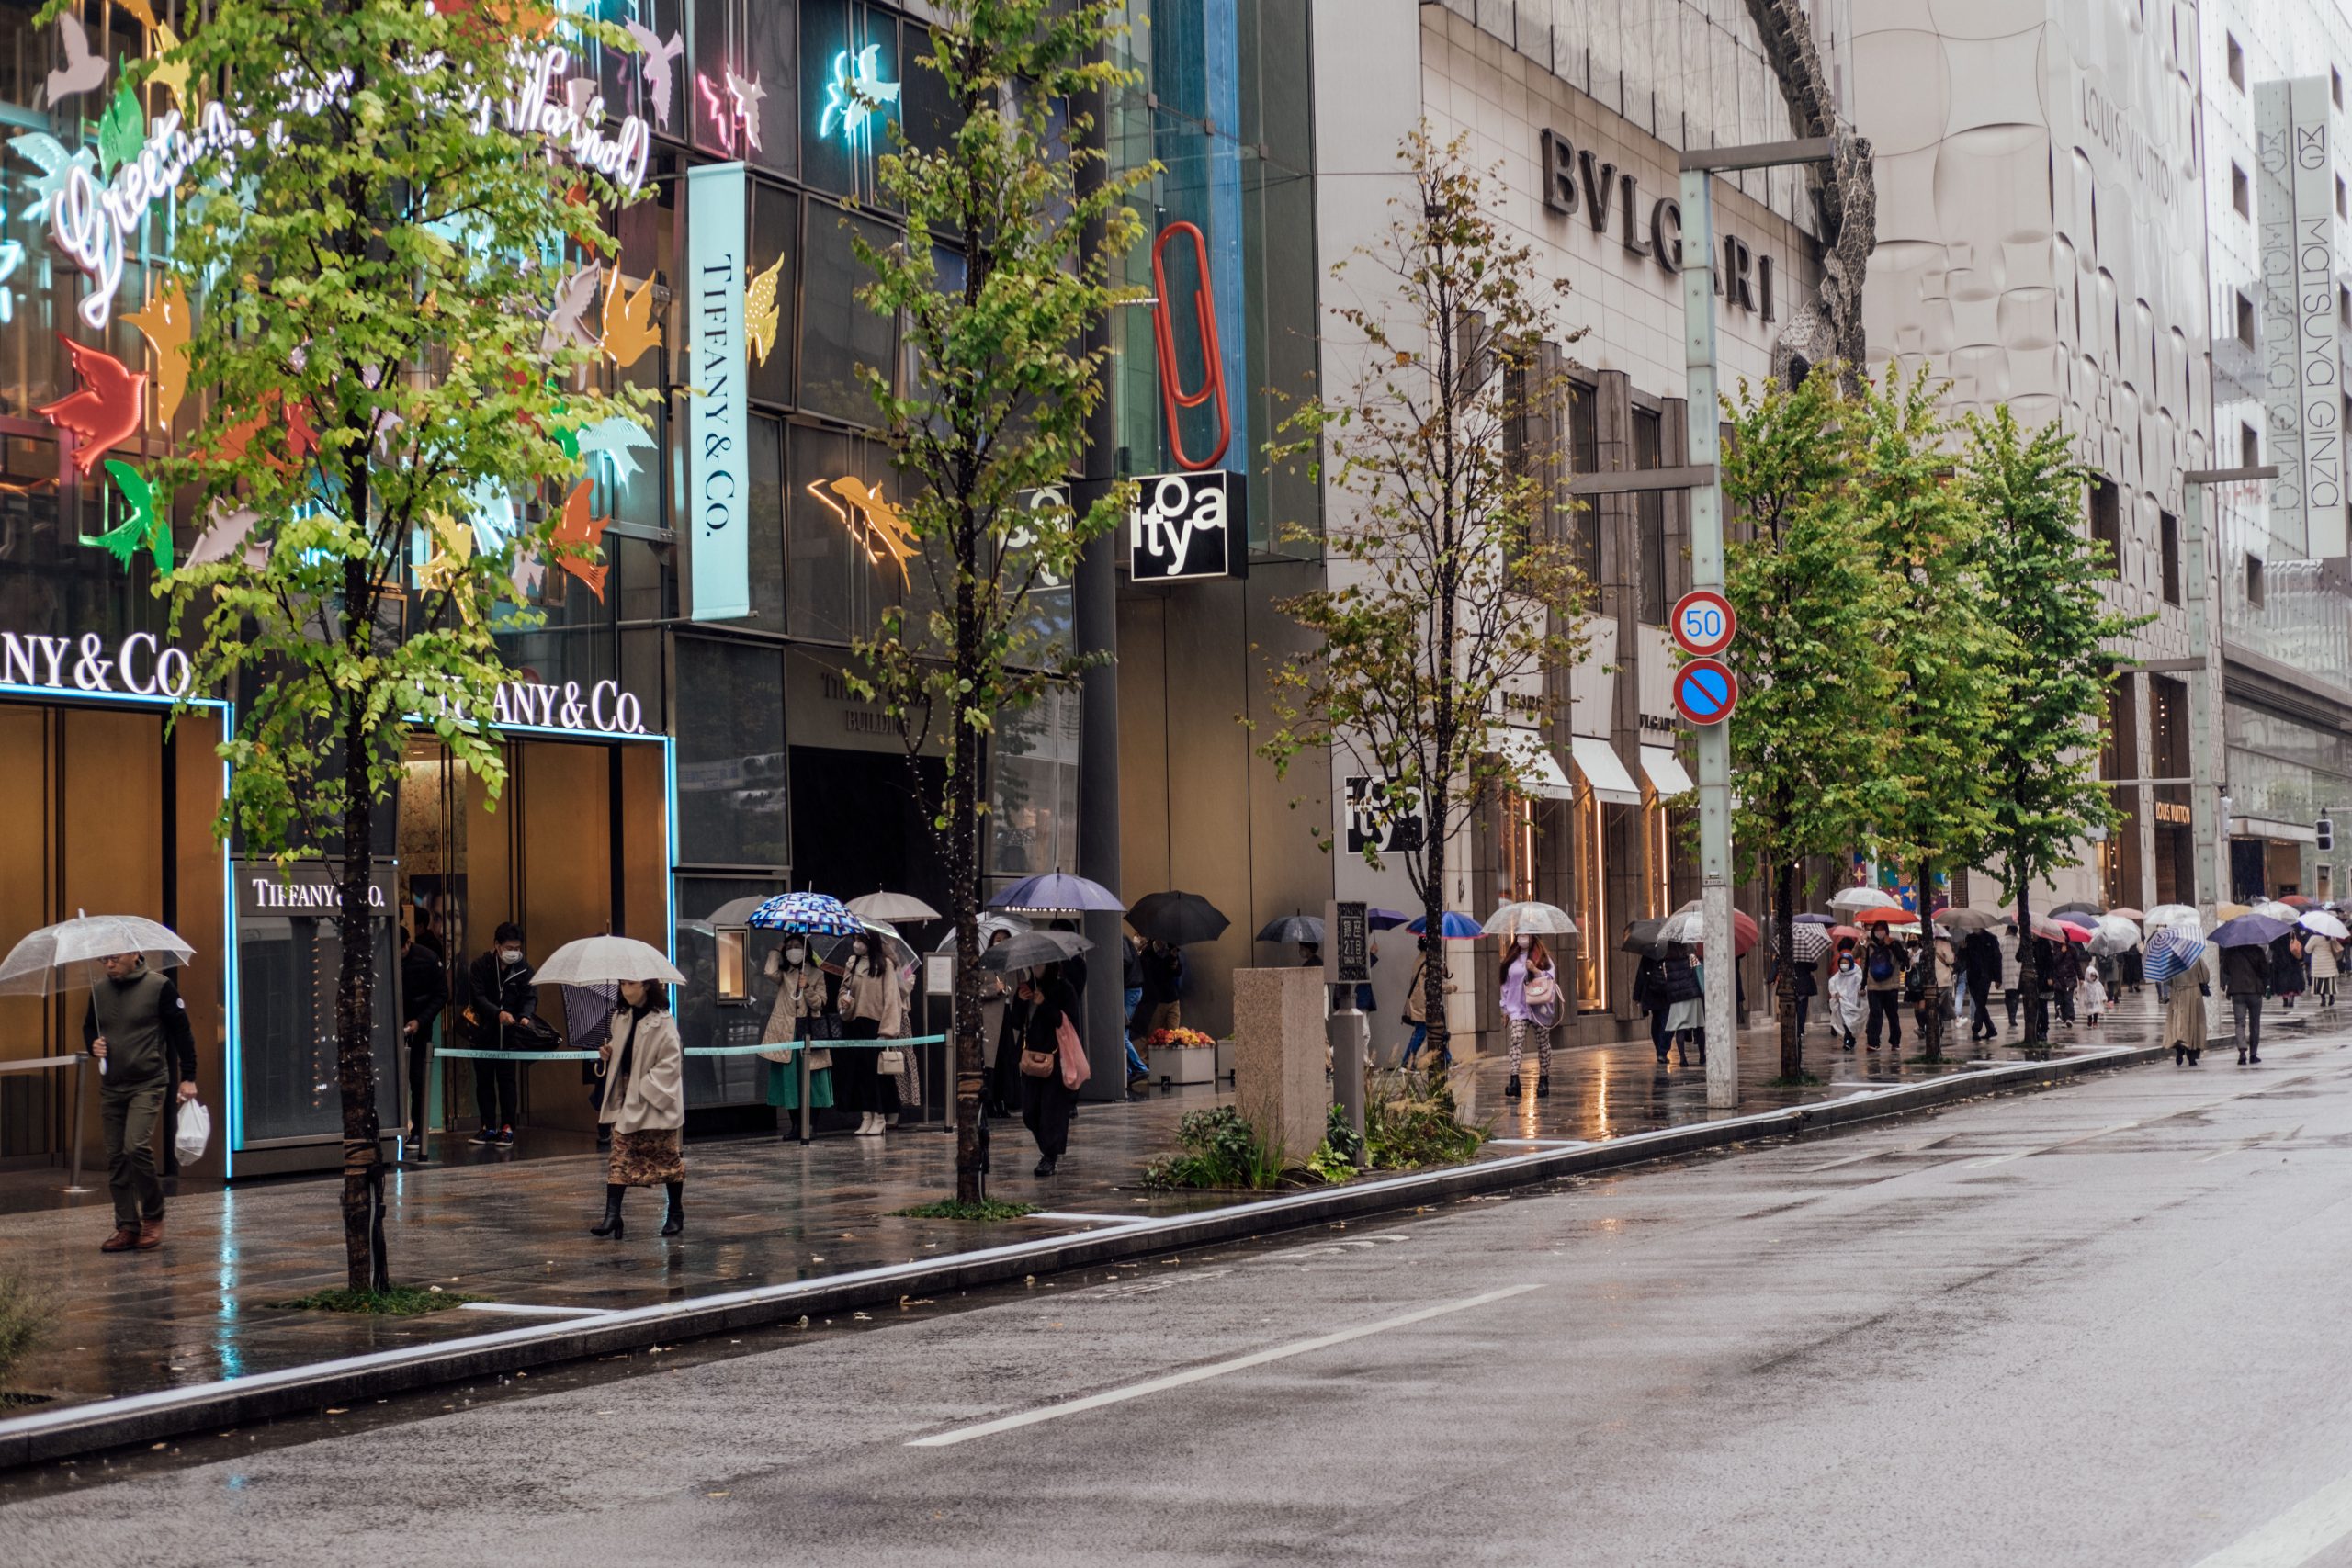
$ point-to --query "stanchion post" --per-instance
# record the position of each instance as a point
(81, 1071)
(800, 1066)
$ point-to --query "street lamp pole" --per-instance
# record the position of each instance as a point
(1707, 572)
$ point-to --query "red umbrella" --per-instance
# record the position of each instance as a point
(2299, 901)
(1744, 935)
(1888, 916)
(2074, 932)
(1845, 934)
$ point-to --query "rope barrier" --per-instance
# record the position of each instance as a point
(788, 1047)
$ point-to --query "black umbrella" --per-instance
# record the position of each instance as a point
(1641, 936)
(2094, 910)
(1177, 917)
(1033, 950)
(1292, 928)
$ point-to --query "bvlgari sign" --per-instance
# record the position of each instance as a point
(1577, 179)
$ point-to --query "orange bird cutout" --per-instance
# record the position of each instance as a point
(301, 440)
(629, 326)
(106, 411)
(580, 530)
(164, 323)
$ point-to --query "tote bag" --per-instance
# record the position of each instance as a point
(1075, 1072)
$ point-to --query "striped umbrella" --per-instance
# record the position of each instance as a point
(2172, 951)
(819, 914)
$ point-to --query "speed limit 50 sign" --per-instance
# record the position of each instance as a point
(1702, 622)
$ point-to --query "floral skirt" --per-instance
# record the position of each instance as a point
(646, 1159)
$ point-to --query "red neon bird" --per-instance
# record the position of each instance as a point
(106, 411)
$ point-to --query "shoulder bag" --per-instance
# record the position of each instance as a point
(1075, 1070)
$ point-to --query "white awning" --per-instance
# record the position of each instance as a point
(1597, 760)
(1665, 770)
(1534, 771)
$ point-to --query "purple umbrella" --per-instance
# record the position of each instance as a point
(1056, 891)
(1386, 919)
(2249, 931)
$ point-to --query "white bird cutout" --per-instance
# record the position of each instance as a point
(82, 70)
(572, 300)
(653, 65)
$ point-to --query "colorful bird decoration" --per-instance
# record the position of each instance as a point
(82, 70)
(165, 324)
(872, 522)
(141, 526)
(105, 412)
(629, 326)
(141, 9)
(745, 94)
(855, 91)
(581, 531)
(169, 73)
(42, 149)
(762, 309)
(225, 533)
(568, 318)
(122, 129)
(653, 57)
(614, 437)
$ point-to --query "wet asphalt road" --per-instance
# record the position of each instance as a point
(2103, 1324)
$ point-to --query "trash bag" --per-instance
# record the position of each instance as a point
(192, 1131)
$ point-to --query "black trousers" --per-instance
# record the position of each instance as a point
(1981, 998)
(1657, 1032)
(420, 1063)
(1044, 1111)
(1888, 1005)
(498, 1091)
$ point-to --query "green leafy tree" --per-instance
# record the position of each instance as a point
(1447, 593)
(368, 262)
(986, 439)
(2041, 580)
(1945, 650)
(1808, 738)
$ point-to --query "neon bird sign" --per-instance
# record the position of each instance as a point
(1163, 332)
(853, 90)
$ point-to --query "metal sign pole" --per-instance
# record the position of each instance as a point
(1707, 572)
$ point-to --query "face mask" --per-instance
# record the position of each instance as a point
(794, 954)
(510, 955)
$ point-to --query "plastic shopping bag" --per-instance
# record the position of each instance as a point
(192, 1131)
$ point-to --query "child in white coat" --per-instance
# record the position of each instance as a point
(1847, 1006)
(2092, 993)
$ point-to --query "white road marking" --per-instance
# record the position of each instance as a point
(523, 1309)
(1544, 1142)
(1091, 1219)
(2297, 1536)
(1215, 1369)
(2045, 1148)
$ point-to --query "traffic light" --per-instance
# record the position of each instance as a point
(2324, 831)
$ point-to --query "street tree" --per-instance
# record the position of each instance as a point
(993, 424)
(1451, 591)
(1809, 738)
(2041, 578)
(361, 264)
(1945, 651)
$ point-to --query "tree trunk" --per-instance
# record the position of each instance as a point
(366, 1266)
(2029, 971)
(1784, 924)
(964, 880)
(1931, 997)
(1435, 811)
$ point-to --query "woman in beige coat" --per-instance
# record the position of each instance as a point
(2184, 1013)
(644, 1068)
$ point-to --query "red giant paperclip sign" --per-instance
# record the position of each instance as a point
(1163, 331)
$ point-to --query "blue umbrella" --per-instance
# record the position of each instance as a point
(1457, 927)
(1816, 920)
(819, 914)
(2249, 931)
(1056, 890)
(1386, 919)
(2171, 952)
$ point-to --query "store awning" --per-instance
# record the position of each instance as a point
(1665, 770)
(1597, 760)
(1534, 771)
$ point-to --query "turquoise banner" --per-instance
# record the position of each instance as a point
(718, 482)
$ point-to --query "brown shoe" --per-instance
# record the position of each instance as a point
(125, 1237)
(151, 1235)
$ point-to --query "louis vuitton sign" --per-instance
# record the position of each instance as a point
(1577, 180)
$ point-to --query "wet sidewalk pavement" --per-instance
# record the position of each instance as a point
(759, 1211)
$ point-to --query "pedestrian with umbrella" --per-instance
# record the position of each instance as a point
(873, 1006)
(1531, 1004)
(1682, 981)
(2287, 960)
(1884, 962)
(1983, 950)
(2323, 931)
(1051, 1058)
(2245, 944)
(136, 1028)
(797, 1018)
(643, 1064)
(2177, 964)
(1417, 1007)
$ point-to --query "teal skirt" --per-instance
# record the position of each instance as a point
(783, 1086)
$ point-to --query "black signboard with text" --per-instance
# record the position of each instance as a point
(1186, 527)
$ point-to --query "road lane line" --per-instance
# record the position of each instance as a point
(523, 1309)
(2297, 1536)
(1214, 1369)
(2061, 1144)
(1074, 1216)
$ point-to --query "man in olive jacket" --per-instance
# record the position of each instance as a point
(137, 1027)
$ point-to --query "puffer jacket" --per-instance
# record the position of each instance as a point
(1678, 978)
(2245, 971)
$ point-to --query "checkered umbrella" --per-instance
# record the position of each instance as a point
(817, 914)
(1808, 943)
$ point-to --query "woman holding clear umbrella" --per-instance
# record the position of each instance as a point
(644, 1103)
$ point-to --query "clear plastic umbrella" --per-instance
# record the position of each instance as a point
(606, 961)
(990, 923)
(896, 948)
(64, 957)
(1512, 921)
(1853, 900)
(2173, 915)
(892, 906)
(2112, 934)
(2272, 909)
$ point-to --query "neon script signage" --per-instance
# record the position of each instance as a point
(94, 222)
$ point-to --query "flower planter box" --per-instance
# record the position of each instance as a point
(1182, 1063)
(1225, 1061)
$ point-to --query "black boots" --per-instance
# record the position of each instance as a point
(1510, 1089)
(677, 1220)
(612, 1226)
(1543, 1087)
(2179, 1054)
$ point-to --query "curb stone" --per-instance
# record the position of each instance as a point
(136, 1419)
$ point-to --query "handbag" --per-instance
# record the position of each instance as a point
(891, 1064)
(1542, 991)
(1075, 1070)
(1036, 1063)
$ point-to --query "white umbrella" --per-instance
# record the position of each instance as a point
(896, 948)
(65, 956)
(990, 923)
(2272, 909)
(2325, 924)
(1511, 921)
(1854, 900)
(606, 961)
(891, 907)
(1687, 926)
(2114, 934)
(735, 913)
(2173, 914)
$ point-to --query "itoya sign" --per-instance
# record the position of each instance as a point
(1186, 526)
(135, 666)
(1576, 179)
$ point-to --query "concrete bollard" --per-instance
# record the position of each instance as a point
(1278, 1056)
